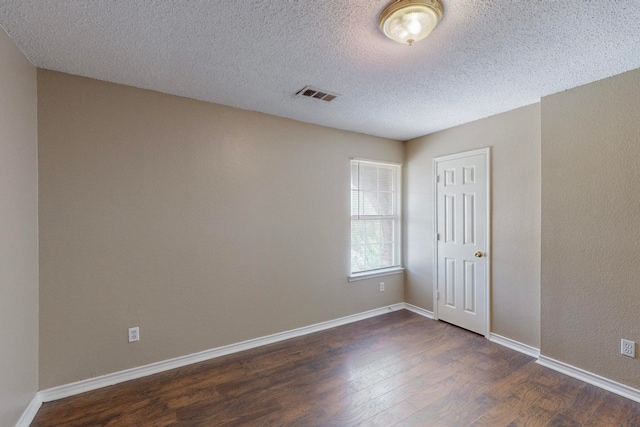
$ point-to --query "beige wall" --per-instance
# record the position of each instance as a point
(591, 226)
(202, 224)
(18, 233)
(514, 138)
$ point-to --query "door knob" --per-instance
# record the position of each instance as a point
(478, 254)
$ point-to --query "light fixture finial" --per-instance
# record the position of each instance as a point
(409, 21)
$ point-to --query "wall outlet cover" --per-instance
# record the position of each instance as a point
(628, 348)
(134, 334)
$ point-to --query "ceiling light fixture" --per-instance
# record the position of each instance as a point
(409, 21)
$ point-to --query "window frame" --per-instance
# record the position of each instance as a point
(397, 266)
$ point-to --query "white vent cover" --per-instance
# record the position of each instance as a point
(312, 92)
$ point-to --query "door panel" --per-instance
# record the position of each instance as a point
(450, 282)
(461, 249)
(469, 284)
(469, 220)
(449, 218)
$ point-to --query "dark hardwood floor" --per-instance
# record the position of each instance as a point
(396, 369)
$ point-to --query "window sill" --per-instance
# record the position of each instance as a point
(377, 273)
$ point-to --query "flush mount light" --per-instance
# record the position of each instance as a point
(409, 21)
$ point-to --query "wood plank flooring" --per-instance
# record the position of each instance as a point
(397, 369)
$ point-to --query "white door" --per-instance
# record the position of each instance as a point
(462, 240)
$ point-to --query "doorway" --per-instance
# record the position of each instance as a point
(462, 244)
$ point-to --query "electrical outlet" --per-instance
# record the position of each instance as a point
(381, 286)
(134, 334)
(628, 348)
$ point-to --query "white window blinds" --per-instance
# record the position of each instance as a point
(375, 215)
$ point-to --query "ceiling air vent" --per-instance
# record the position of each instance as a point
(311, 92)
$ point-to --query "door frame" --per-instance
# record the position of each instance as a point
(487, 159)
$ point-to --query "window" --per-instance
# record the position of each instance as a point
(375, 216)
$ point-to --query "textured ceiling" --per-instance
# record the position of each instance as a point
(485, 57)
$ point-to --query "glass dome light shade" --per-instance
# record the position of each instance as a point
(409, 21)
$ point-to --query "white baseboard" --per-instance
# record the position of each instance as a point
(30, 412)
(588, 377)
(569, 370)
(418, 310)
(515, 345)
(72, 389)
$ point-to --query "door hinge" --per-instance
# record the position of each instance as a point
(438, 236)
(438, 295)
(437, 178)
